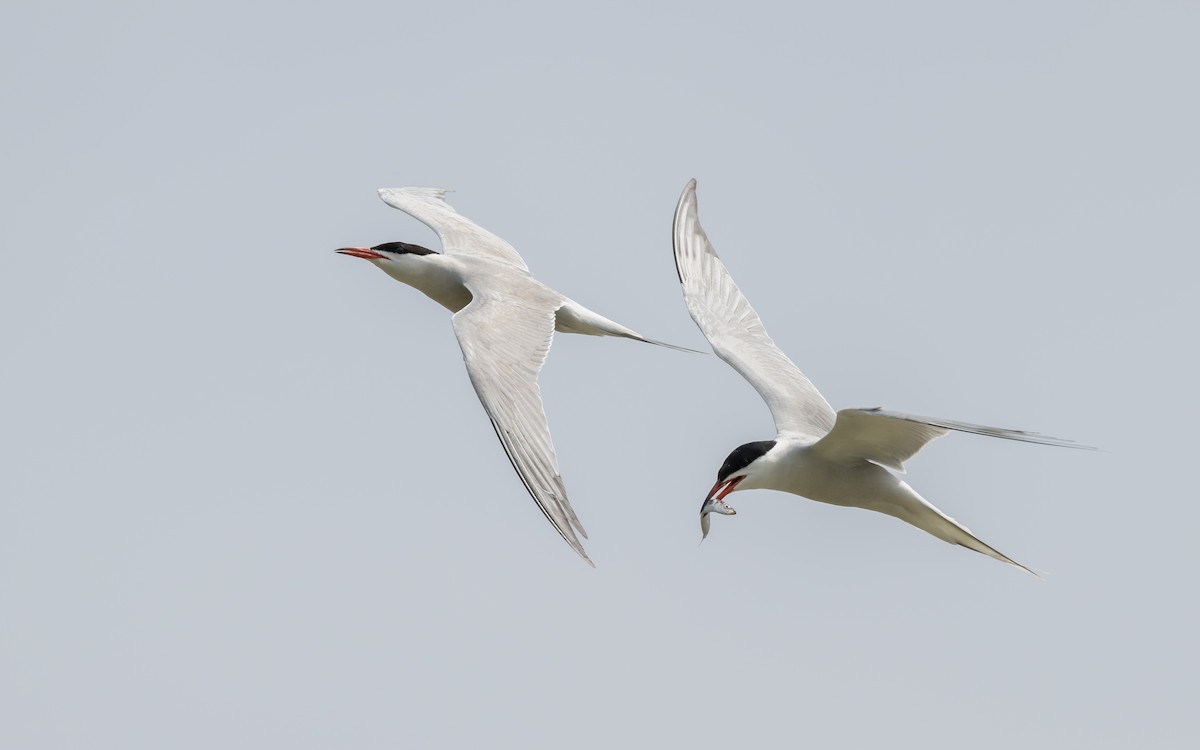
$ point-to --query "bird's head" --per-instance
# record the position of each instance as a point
(388, 252)
(740, 465)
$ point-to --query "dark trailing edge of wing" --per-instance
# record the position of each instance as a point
(575, 545)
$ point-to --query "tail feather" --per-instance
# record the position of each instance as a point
(573, 317)
(972, 542)
(928, 518)
(645, 340)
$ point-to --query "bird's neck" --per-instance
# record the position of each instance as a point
(437, 276)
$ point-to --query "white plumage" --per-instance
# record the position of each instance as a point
(504, 320)
(840, 458)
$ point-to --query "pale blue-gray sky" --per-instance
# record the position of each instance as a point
(248, 498)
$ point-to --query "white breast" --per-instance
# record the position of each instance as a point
(791, 466)
(439, 277)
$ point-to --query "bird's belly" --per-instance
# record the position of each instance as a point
(859, 484)
(453, 298)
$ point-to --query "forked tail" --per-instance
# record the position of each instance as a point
(926, 517)
(573, 317)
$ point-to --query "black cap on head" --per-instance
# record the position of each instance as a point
(400, 248)
(743, 456)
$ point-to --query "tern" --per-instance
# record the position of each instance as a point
(845, 458)
(504, 319)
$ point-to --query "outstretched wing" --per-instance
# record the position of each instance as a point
(735, 331)
(459, 235)
(504, 340)
(889, 438)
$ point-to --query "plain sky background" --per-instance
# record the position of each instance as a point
(248, 498)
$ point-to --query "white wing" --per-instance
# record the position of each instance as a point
(504, 339)
(459, 235)
(889, 438)
(735, 331)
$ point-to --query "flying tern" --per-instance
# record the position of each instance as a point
(504, 319)
(843, 458)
